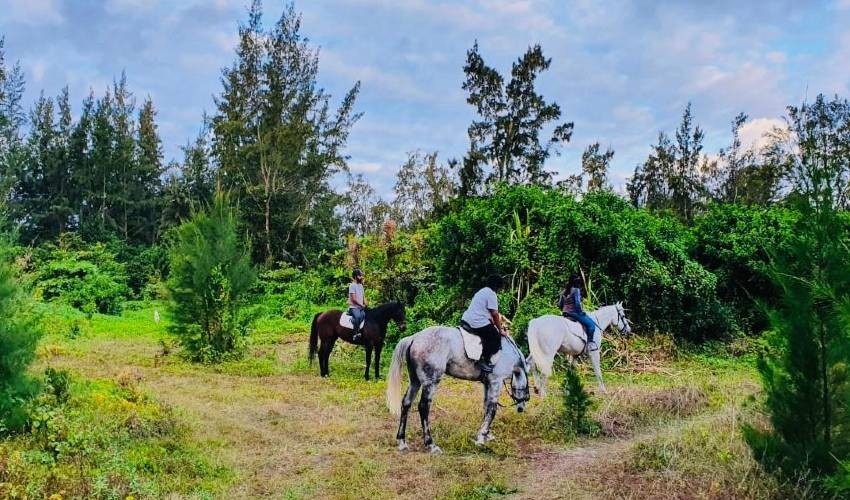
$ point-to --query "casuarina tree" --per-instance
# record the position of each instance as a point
(210, 277)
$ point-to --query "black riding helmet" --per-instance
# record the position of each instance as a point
(495, 282)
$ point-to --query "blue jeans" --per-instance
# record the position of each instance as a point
(358, 315)
(586, 322)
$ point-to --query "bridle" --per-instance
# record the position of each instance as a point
(622, 321)
(509, 390)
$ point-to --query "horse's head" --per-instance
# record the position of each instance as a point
(622, 321)
(397, 314)
(519, 386)
(519, 376)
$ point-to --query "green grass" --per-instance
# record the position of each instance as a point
(272, 427)
(107, 441)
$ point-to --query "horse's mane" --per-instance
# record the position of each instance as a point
(382, 310)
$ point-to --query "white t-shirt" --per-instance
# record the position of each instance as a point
(478, 313)
(357, 290)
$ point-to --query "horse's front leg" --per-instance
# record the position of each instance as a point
(428, 389)
(491, 400)
(594, 359)
(368, 347)
(378, 349)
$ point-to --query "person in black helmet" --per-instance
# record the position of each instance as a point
(482, 319)
(356, 302)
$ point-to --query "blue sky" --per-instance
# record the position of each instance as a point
(621, 70)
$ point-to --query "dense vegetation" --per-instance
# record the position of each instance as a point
(748, 244)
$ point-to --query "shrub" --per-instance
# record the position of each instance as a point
(733, 242)
(19, 334)
(576, 404)
(536, 237)
(87, 277)
(210, 278)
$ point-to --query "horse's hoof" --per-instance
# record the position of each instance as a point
(435, 450)
(481, 441)
(402, 446)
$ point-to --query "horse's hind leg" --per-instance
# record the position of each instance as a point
(406, 403)
(428, 391)
(325, 355)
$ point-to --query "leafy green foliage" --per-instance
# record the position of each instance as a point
(537, 237)
(87, 277)
(19, 334)
(734, 243)
(210, 278)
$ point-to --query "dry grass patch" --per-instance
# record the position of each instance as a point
(624, 410)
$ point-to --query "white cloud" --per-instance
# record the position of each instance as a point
(843, 4)
(365, 167)
(38, 68)
(125, 6)
(398, 84)
(754, 133)
(34, 12)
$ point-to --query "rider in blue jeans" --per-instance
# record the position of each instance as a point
(356, 302)
(570, 304)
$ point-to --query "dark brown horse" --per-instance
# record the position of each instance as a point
(374, 329)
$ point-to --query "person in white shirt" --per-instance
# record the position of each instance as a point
(356, 302)
(482, 319)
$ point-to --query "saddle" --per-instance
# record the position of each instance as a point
(472, 346)
(581, 335)
(346, 321)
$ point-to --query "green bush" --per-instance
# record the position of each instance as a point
(537, 237)
(733, 242)
(576, 404)
(19, 335)
(85, 276)
(211, 276)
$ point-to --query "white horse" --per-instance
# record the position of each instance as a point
(551, 334)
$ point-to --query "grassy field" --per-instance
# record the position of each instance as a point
(268, 425)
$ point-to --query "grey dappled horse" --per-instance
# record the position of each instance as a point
(551, 334)
(438, 351)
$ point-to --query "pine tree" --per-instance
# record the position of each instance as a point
(595, 166)
(145, 192)
(12, 118)
(649, 187)
(19, 334)
(275, 137)
(422, 187)
(685, 185)
(211, 275)
(120, 197)
(507, 137)
(805, 373)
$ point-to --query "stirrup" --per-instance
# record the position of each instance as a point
(484, 366)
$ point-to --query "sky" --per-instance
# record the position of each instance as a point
(621, 70)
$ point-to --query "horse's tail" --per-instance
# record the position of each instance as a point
(314, 338)
(394, 379)
(540, 361)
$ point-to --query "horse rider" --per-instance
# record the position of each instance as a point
(482, 319)
(356, 302)
(570, 305)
